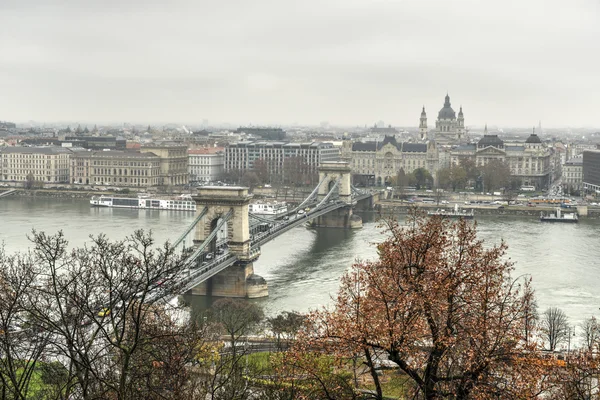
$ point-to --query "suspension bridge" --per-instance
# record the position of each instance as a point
(227, 239)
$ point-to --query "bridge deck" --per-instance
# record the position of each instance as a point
(201, 270)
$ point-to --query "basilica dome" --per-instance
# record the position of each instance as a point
(447, 112)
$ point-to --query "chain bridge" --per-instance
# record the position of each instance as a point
(227, 238)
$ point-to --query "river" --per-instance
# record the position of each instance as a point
(303, 266)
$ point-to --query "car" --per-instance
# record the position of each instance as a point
(444, 201)
(105, 312)
(287, 217)
(300, 212)
(267, 185)
(209, 256)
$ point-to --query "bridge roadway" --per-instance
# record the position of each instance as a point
(200, 273)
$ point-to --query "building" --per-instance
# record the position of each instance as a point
(115, 168)
(263, 133)
(448, 127)
(242, 156)
(529, 162)
(378, 163)
(591, 171)
(95, 142)
(572, 175)
(173, 162)
(44, 164)
(206, 164)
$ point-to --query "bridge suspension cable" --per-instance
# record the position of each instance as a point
(210, 237)
(310, 196)
(181, 238)
(326, 198)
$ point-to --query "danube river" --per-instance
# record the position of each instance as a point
(303, 266)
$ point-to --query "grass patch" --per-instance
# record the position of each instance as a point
(393, 385)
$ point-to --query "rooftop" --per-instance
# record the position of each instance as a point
(34, 150)
(206, 150)
(116, 153)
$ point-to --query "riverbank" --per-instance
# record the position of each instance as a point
(512, 210)
(63, 193)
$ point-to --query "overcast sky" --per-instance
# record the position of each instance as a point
(350, 62)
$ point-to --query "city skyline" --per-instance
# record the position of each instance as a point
(350, 63)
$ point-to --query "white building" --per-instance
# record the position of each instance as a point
(572, 174)
(206, 164)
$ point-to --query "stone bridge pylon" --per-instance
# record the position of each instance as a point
(239, 279)
(330, 174)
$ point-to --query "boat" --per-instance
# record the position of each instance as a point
(559, 216)
(270, 209)
(179, 203)
(457, 212)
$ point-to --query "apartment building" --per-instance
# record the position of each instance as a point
(45, 164)
(572, 174)
(206, 164)
(115, 168)
(243, 155)
(173, 162)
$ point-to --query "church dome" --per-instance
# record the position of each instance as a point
(533, 138)
(447, 112)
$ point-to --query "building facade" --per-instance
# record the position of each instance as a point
(529, 162)
(591, 171)
(173, 162)
(206, 164)
(43, 164)
(378, 163)
(572, 174)
(115, 168)
(448, 127)
(242, 156)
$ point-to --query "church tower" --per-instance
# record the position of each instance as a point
(460, 128)
(423, 125)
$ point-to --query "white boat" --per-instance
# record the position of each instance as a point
(179, 203)
(273, 209)
(559, 216)
(456, 213)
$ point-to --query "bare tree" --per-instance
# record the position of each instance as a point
(237, 317)
(589, 334)
(103, 305)
(529, 311)
(555, 327)
(21, 347)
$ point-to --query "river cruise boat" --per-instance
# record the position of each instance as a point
(179, 203)
(457, 212)
(270, 209)
(559, 216)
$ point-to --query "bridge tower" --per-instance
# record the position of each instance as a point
(331, 172)
(239, 279)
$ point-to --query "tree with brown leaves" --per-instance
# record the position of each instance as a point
(442, 307)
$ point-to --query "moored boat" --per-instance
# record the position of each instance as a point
(559, 216)
(179, 203)
(272, 209)
(457, 212)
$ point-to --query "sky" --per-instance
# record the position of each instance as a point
(278, 62)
